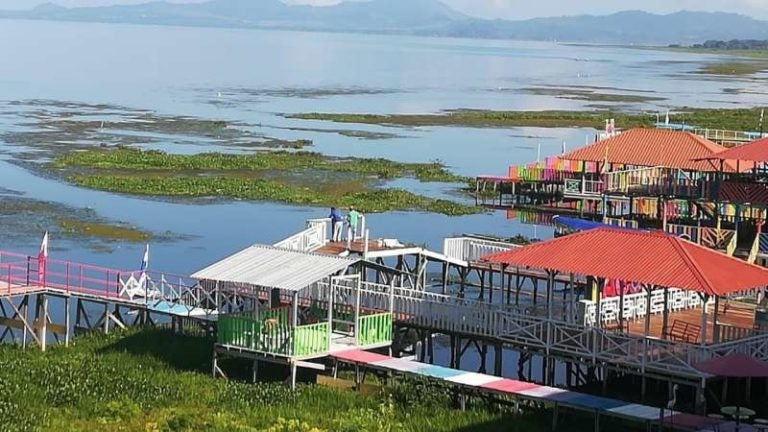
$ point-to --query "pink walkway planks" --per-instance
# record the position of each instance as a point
(527, 390)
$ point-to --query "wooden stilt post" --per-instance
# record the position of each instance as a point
(482, 284)
(67, 323)
(458, 353)
(453, 352)
(445, 278)
(497, 364)
(44, 323)
(106, 318)
(25, 314)
(715, 324)
(490, 284)
(483, 348)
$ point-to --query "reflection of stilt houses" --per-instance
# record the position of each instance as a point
(662, 179)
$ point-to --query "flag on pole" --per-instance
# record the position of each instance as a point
(762, 115)
(42, 257)
(563, 149)
(666, 119)
(145, 259)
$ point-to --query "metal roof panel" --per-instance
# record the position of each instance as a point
(267, 266)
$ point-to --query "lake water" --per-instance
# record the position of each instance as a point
(260, 74)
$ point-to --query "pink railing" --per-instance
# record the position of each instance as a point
(18, 271)
(80, 278)
(13, 275)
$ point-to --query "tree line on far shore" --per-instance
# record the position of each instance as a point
(734, 44)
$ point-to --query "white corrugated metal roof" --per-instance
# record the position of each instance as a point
(267, 266)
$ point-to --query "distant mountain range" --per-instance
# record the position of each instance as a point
(417, 17)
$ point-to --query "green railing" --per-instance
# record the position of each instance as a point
(279, 314)
(311, 339)
(374, 329)
(272, 335)
(237, 330)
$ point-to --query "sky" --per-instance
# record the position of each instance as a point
(509, 9)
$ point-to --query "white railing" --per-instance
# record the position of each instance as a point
(473, 249)
(622, 181)
(312, 238)
(583, 187)
(635, 305)
(729, 135)
(165, 292)
(519, 326)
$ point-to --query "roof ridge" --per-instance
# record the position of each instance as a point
(697, 273)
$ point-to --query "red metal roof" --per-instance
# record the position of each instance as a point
(734, 365)
(651, 258)
(651, 148)
(756, 151)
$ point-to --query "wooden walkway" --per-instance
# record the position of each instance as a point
(358, 247)
(735, 316)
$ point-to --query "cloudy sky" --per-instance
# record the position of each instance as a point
(508, 8)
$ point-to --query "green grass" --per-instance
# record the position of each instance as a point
(484, 118)
(368, 201)
(758, 54)
(292, 178)
(741, 119)
(733, 68)
(154, 380)
(134, 159)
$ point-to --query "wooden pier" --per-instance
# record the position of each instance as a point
(477, 304)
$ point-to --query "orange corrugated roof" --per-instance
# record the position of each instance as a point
(755, 151)
(652, 258)
(651, 148)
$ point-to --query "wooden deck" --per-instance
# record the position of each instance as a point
(735, 316)
(20, 290)
(357, 247)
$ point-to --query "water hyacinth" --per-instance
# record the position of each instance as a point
(293, 178)
(156, 380)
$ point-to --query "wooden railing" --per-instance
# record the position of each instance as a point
(705, 236)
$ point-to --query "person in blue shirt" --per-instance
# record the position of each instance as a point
(337, 222)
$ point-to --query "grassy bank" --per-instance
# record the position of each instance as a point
(742, 119)
(293, 178)
(153, 380)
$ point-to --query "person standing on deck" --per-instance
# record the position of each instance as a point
(353, 219)
(337, 224)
